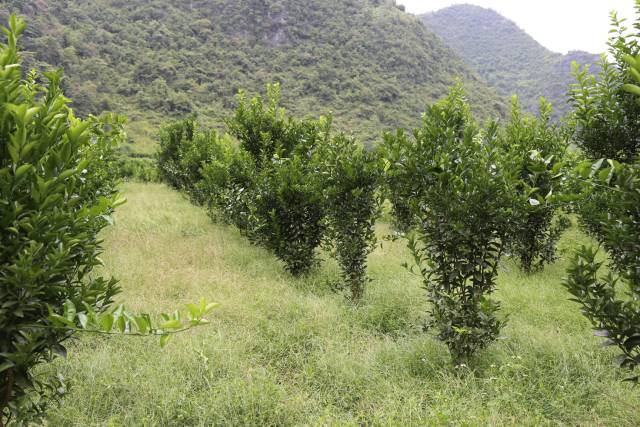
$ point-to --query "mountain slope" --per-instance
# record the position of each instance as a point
(370, 63)
(505, 56)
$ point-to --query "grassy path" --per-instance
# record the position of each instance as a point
(282, 351)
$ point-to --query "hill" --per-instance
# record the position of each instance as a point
(368, 61)
(506, 56)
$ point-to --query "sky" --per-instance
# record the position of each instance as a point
(559, 25)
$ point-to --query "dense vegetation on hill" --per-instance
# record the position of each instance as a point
(506, 56)
(369, 62)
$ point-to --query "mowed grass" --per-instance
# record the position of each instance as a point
(283, 351)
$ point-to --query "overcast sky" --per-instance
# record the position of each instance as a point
(560, 25)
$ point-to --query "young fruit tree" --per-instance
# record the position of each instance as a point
(608, 121)
(173, 138)
(227, 185)
(399, 186)
(57, 192)
(351, 179)
(539, 147)
(612, 301)
(184, 150)
(286, 206)
(605, 115)
(462, 218)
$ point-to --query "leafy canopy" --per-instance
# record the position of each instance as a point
(461, 213)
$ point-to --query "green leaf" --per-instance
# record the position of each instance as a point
(22, 170)
(632, 89)
(83, 319)
(603, 175)
(194, 310)
(66, 174)
(69, 310)
(121, 324)
(106, 322)
(171, 324)
(164, 339)
(143, 324)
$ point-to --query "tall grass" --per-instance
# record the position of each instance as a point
(284, 351)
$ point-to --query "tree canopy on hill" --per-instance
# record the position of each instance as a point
(507, 57)
(369, 62)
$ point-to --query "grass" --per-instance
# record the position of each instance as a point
(284, 351)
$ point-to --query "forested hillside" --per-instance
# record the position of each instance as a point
(369, 62)
(506, 56)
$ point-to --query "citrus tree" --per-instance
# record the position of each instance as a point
(57, 192)
(607, 112)
(284, 203)
(351, 178)
(184, 150)
(462, 216)
(539, 147)
(605, 115)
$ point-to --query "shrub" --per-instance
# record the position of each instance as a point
(137, 169)
(462, 216)
(264, 131)
(609, 206)
(183, 151)
(57, 190)
(172, 138)
(286, 212)
(228, 182)
(539, 148)
(351, 179)
(402, 155)
(605, 115)
(289, 214)
(613, 312)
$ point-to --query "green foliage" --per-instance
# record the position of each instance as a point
(268, 186)
(634, 71)
(611, 302)
(289, 213)
(137, 169)
(506, 57)
(57, 191)
(287, 209)
(605, 114)
(351, 180)
(404, 156)
(462, 217)
(183, 152)
(209, 169)
(371, 64)
(540, 149)
(122, 322)
(264, 131)
(174, 139)
(228, 181)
